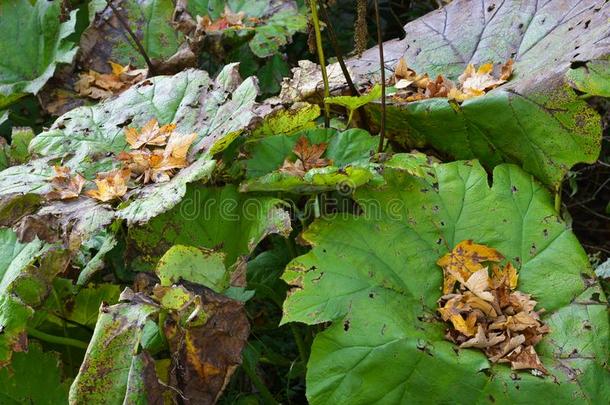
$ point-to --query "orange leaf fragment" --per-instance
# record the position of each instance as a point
(110, 185)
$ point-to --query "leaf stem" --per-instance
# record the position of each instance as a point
(258, 383)
(558, 199)
(140, 48)
(298, 339)
(382, 64)
(66, 341)
(316, 26)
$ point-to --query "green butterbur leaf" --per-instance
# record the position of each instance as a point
(375, 277)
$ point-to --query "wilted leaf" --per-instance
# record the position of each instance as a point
(374, 276)
(506, 325)
(112, 365)
(149, 134)
(27, 28)
(106, 39)
(206, 354)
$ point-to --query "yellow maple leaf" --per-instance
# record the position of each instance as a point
(110, 185)
(466, 258)
(149, 134)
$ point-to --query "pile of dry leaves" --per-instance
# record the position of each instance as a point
(308, 157)
(487, 312)
(411, 86)
(157, 152)
(100, 86)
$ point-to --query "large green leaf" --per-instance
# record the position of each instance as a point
(213, 218)
(33, 378)
(35, 41)
(535, 120)
(349, 151)
(374, 276)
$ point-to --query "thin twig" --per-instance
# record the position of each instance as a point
(335, 45)
(140, 48)
(348, 79)
(382, 64)
(316, 27)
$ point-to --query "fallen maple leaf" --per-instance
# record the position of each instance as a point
(158, 165)
(110, 185)
(308, 157)
(150, 134)
(476, 82)
(65, 186)
(466, 258)
(486, 312)
(103, 85)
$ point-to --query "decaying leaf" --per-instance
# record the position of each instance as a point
(487, 313)
(110, 185)
(207, 352)
(308, 157)
(99, 86)
(65, 186)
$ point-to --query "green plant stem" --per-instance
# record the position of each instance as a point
(56, 339)
(260, 386)
(300, 343)
(558, 199)
(382, 64)
(316, 26)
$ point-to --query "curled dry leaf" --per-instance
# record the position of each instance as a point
(308, 157)
(472, 83)
(486, 312)
(65, 186)
(103, 85)
(110, 185)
